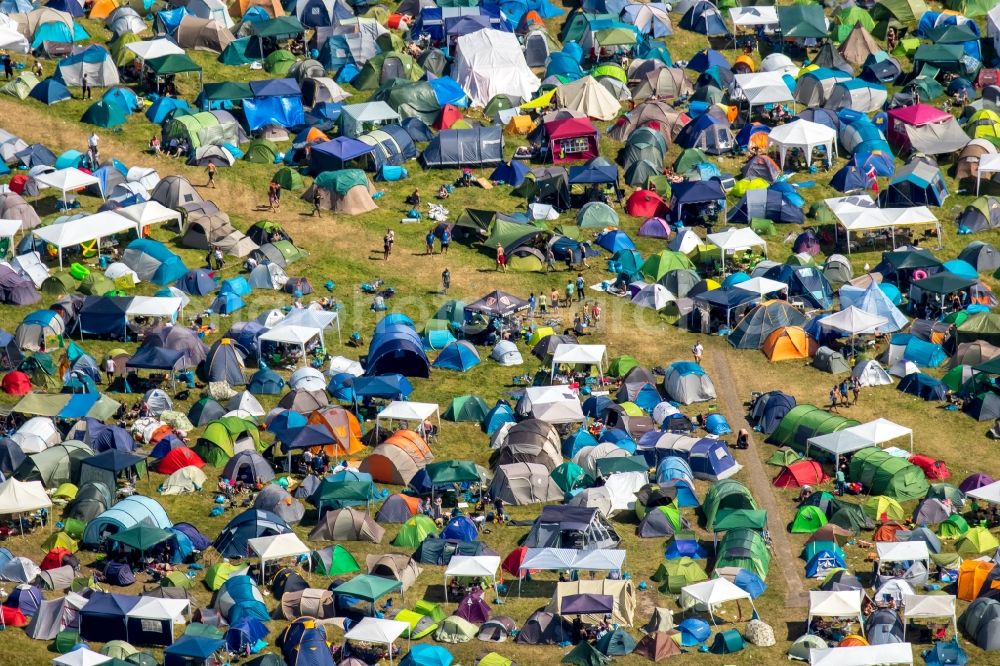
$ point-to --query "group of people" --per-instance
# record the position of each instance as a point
(845, 394)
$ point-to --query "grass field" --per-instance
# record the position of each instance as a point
(348, 252)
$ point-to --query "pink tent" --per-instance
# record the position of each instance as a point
(473, 608)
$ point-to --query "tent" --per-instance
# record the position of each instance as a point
(490, 63)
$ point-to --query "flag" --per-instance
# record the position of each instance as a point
(872, 177)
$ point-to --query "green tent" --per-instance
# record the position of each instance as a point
(410, 99)
(689, 158)
(215, 446)
(391, 64)
(452, 311)
(975, 542)
(801, 260)
(621, 365)
(282, 27)
(941, 56)
(629, 261)
(783, 457)
(880, 505)
(225, 91)
(103, 114)
(95, 284)
(368, 587)
(947, 491)
(42, 370)
(849, 16)
(526, 260)
(175, 63)
(177, 579)
(288, 178)
(971, 8)
(290, 253)
(585, 654)
(121, 55)
(217, 574)
(449, 472)
(569, 476)
(807, 520)
(884, 474)
(455, 629)
(746, 549)
(242, 51)
(983, 326)
(596, 215)
(802, 22)
(805, 421)
(735, 519)
(675, 574)
(615, 643)
(727, 642)
(141, 537)
(723, 495)
(467, 409)
(341, 181)
(60, 282)
(414, 531)
(334, 561)
(20, 86)
(390, 41)
(494, 659)
(614, 465)
(954, 527)
(850, 517)
(512, 235)
(763, 227)
(906, 12)
(279, 62)
(261, 151)
(337, 494)
(664, 261)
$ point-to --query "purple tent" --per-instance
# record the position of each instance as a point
(25, 598)
(587, 604)
(806, 242)
(655, 227)
(973, 481)
(473, 608)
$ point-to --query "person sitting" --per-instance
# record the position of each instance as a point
(356, 339)
(443, 192)
(413, 199)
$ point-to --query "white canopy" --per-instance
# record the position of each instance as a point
(9, 228)
(472, 566)
(321, 319)
(838, 443)
(804, 135)
(82, 657)
(853, 321)
(762, 88)
(154, 306)
(711, 593)
(293, 335)
(557, 559)
(554, 404)
(988, 163)
(276, 547)
(917, 606)
(845, 603)
(84, 230)
(736, 240)
(404, 410)
(154, 48)
(902, 551)
(66, 180)
(573, 354)
(862, 655)
(377, 630)
(751, 17)
(162, 610)
(149, 212)
(860, 213)
(881, 431)
(762, 286)
(22, 497)
(989, 493)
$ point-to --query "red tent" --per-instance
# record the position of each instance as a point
(450, 114)
(178, 458)
(646, 203)
(13, 617)
(18, 183)
(934, 470)
(800, 473)
(16, 383)
(54, 558)
(512, 563)
(572, 139)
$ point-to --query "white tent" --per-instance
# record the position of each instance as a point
(916, 606)
(902, 551)
(574, 354)
(804, 135)
(279, 546)
(853, 321)
(762, 88)
(880, 431)
(84, 230)
(17, 497)
(859, 213)
(988, 163)
(711, 593)
(731, 241)
(490, 63)
(167, 307)
(589, 97)
(472, 566)
(81, 657)
(312, 318)
(67, 180)
(339, 364)
(408, 412)
(845, 603)
(838, 443)
(307, 379)
(12, 40)
(553, 404)
(377, 630)
(989, 493)
(863, 655)
(777, 62)
(150, 212)
(654, 296)
(754, 17)
(154, 48)
(762, 286)
(293, 335)
(160, 610)
(685, 241)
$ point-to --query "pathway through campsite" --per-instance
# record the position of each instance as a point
(760, 485)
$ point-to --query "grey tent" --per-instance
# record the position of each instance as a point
(530, 441)
(982, 623)
(478, 146)
(60, 578)
(224, 363)
(395, 510)
(496, 629)
(178, 338)
(884, 627)
(249, 467)
(931, 512)
(544, 628)
(174, 192)
(830, 361)
(347, 525)
(48, 620)
(267, 276)
(577, 527)
(437, 551)
(524, 483)
(279, 501)
(656, 523)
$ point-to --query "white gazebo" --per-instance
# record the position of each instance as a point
(159, 307)
(567, 559)
(731, 241)
(91, 228)
(377, 630)
(154, 48)
(843, 603)
(553, 404)
(804, 135)
(892, 654)
(988, 163)
(408, 412)
(293, 335)
(9, 229)
(859, 214)
(164, 612)
(762, 286)
(574, 354)
(929, 606)
(711, 593)
(838, 443)
(150, 212)
(312, 318)
(67, 180)
(880, 431)
(472, 566)
(21, 497)
(279, 546)
(853, 321)
(902, 551)
(81, 657)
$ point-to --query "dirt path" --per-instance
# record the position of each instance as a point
(796, 595)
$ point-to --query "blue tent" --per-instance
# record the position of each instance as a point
(341, 387)
(236, 285)
(459, 355)
(924, 354)
(447, 91)
(462, 528)
(849, 178)
(615, 241)
(386, 387)
(694, 631)
(804, 281)
(125, 514)
(576, 441)
(874, 300)
(684, 489)
(948, 653)
(103, 316)
(71, 158)
(51, 90)
(266, 382)
(770, 204)
(123, 98)
(702, 60)
(103, 618)
(166, 108)
(226, 303)
(510, 173)
(153, 261)
(619, 438)
(750, 583)
(71, 7)
(427, 655)
(252, 523)
(711, 459)
(822, 562)
(496, 417)
(563, 64)
(335, 154)
(192, 649)
(103, 437)
(684, 546)
(916, 184)
(673, 468)
(275, 101)
(151, 357)
(196, 282)
(923, 386)
(716, 424)
(396, 349)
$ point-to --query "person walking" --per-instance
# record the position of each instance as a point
(445, 240)
(550, 259)
(109, 369)
(855, 389)
(841, 480)
(697, 351)
(276, 188)
(445, 281)
(834, 400)
(554, 298)
(92, 142)
(580, 284)
(430, 243)
(8, 65)
(386, 245)
(543, 302)
(220, 260)
(845, 395)
(210, 170)
(532, 304)
(501, 258)
(570, 290)
(316, 201)
(85, 85)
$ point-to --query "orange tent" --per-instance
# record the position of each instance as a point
(788, 343)
(853, 641)
(273, 7)
(343, 426)
(746, 62)
(519, 125)
(413, 444)
(760, 141)
(398, 459)
(972, 576)
(314, 135)
(529, 19)
(103, 8)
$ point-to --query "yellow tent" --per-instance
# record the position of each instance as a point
(60, 540)
(520, 125)
(540, 334)
(66, 491)
(541, 101)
